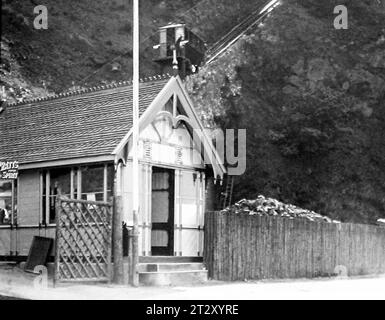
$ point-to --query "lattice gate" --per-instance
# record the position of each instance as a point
(83, 240)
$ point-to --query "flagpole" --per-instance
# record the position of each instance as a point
(135, 139)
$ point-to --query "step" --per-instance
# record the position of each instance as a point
(174, 278)
(170, 259)
(159, 267)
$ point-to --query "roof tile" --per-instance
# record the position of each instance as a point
(82, 124)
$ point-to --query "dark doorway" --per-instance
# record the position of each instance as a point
(162, 215)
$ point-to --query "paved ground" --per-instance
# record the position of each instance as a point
(15, 283)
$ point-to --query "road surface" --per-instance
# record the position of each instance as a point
(334, 289)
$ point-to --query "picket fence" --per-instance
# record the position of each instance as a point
(244, 247)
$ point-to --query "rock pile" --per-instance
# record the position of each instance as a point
(263, 206)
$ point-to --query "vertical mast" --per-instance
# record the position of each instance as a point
(135, 139)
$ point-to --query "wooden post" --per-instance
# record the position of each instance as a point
(56, 277)
(47, 198)
(79, 184)
(105, 183)
(117, 231)
(13, 203)
(72, 187)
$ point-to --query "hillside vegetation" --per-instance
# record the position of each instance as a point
(312, 99)
(86, 39)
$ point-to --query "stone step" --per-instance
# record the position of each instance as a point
(159, 267)
(173, 278)
(170, 259)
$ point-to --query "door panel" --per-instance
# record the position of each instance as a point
(160, 202)
(190, 242)
(190, 213)
(162, 212)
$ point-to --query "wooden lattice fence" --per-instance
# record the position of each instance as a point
(83, 240)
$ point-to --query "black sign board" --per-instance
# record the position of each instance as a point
(9, 170)
(38, 253)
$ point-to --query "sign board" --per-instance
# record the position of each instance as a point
(38, 253)
(9, 170)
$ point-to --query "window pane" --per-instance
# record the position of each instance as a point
(92, 183)
(6, 201)
(60, 184)
(110, 178)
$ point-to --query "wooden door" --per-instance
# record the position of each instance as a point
(162, 212)
(190, 196)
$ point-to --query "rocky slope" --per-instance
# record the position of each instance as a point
(90, 42)
(312, 99)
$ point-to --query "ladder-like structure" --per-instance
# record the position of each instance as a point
(227, 195)
(239, 30)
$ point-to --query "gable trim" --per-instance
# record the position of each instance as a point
(217, 162)
(175, 87)
(160, 99)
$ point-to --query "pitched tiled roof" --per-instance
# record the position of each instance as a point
(73, 125)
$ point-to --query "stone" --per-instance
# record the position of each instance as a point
(263, 206)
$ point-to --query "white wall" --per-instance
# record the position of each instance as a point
(174, 151)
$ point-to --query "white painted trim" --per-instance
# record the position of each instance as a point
(47, 196)
(67, 162)
(41, 191)
(175, 105)
(149, 113)
(169, 165)
(79, 184)
(72, 182)
(175, 87)
(200, 126)
(105, 183)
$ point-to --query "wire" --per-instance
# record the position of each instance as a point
(234, 35)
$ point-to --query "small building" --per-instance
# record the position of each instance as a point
(70, 144)
(189, 49)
